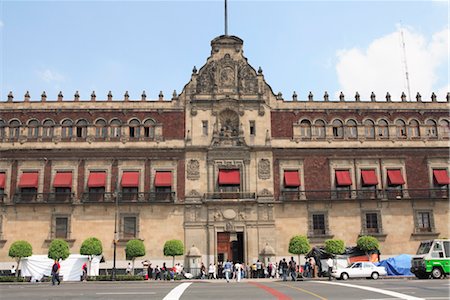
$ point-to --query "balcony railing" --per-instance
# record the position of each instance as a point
(43, 197)
(365, 194)
(230, 196)
(153, 197)
(99, 197)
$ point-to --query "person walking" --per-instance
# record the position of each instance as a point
(211, 271)
(237, 268)
(129, 269)
(84, 270)
(293, 269)
(13, 271)
(330, 267)
(55, 272)
(227, 269)
(284, 269)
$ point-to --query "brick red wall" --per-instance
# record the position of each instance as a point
(180, 180)
(47, 176)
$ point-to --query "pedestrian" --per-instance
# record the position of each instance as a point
(312, 263)
(259, 269)
(203, 271)
(293, 269)
(164, 271)
(211, 271)
(13, 271)
(129, 269)
(84, 270)
(284, 269)
(227, 269)
(157, 273)
(330, 267)
(307, 270)
(150, 271)
(55, 272)
(145, 269)
(237, 269)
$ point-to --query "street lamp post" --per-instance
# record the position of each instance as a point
(115, 237)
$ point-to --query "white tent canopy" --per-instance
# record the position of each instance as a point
(36, 266)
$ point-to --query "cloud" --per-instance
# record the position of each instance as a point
(380, 67)
(48, 75)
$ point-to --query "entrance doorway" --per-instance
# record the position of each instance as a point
(230, 245)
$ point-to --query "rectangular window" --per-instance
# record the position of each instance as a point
(424, 221)
(372, 223)
(252, 128)
(318, 224)
(61, 227)
(129, 229)
(205, 127)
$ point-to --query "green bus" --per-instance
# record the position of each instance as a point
(432, 258)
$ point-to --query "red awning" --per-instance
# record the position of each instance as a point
(163, 179)
(63, 180)
(369, 177)
(291, 179)
(232, 177)
(343, 178)
(130, 179)
(97, 179)
(2, 180)
(29, 180)
(441, 177)
(395, 177)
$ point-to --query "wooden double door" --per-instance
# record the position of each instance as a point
(230, 246)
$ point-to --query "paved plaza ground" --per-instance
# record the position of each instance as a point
(382, 289)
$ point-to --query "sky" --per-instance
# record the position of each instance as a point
(148, 45)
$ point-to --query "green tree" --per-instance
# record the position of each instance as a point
(299, 244)
(335, 246)
(58, 249)
(134, 248)
(173, 248)
(19, 250)
(367, 243)
(91, 246)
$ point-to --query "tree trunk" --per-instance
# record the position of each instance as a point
(90, 261)
(173, 261)
(132, 266)
(17, 267)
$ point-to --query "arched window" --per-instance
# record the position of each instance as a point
(383, 129)
(47, 128)
(33, 129)
(414, 129)
(369, 129)
(431, 128)
(305, 129)
(134, 128)
(352, 129)
(14, 129)
(101, 131)
(401, 129)
(2, 129)
(82, 128)
(445, 128)
(115, 126)
(338, 129)
(319, 128)
(149, 129)
(67, 129)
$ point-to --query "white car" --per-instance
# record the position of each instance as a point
(359, 269)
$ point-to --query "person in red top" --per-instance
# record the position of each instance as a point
(55, 272)
(84, 272)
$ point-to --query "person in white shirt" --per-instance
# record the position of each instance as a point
(13, 271)
(330, 267)
(237, 268)
(212, 271)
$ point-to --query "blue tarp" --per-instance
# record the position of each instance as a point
(398, 265)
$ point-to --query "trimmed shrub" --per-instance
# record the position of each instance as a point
(19, 250)
(58, 249)
(335, 246)
(118, 278)
(299, 244)
(134, 248)
(367, 243)
(173, 248)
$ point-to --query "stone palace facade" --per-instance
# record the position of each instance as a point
(227, 166)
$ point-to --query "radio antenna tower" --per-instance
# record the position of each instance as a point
(405, 65)
(226, 18)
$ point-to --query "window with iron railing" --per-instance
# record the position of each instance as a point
(372, 224)
(423, 221)
(129, 227)
(318, 222)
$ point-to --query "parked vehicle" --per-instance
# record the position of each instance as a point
(432, 258)
(360, 269)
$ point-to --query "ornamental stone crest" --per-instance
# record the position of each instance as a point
(193, 169)
(264, 169)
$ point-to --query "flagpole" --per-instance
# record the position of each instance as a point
(226, 18)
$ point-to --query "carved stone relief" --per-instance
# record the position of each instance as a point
(264, 169)
(193, 169)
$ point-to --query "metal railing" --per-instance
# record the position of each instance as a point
(97, 197)
(365, 194)
(229, 196)
(43, 197)
(152, 197)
